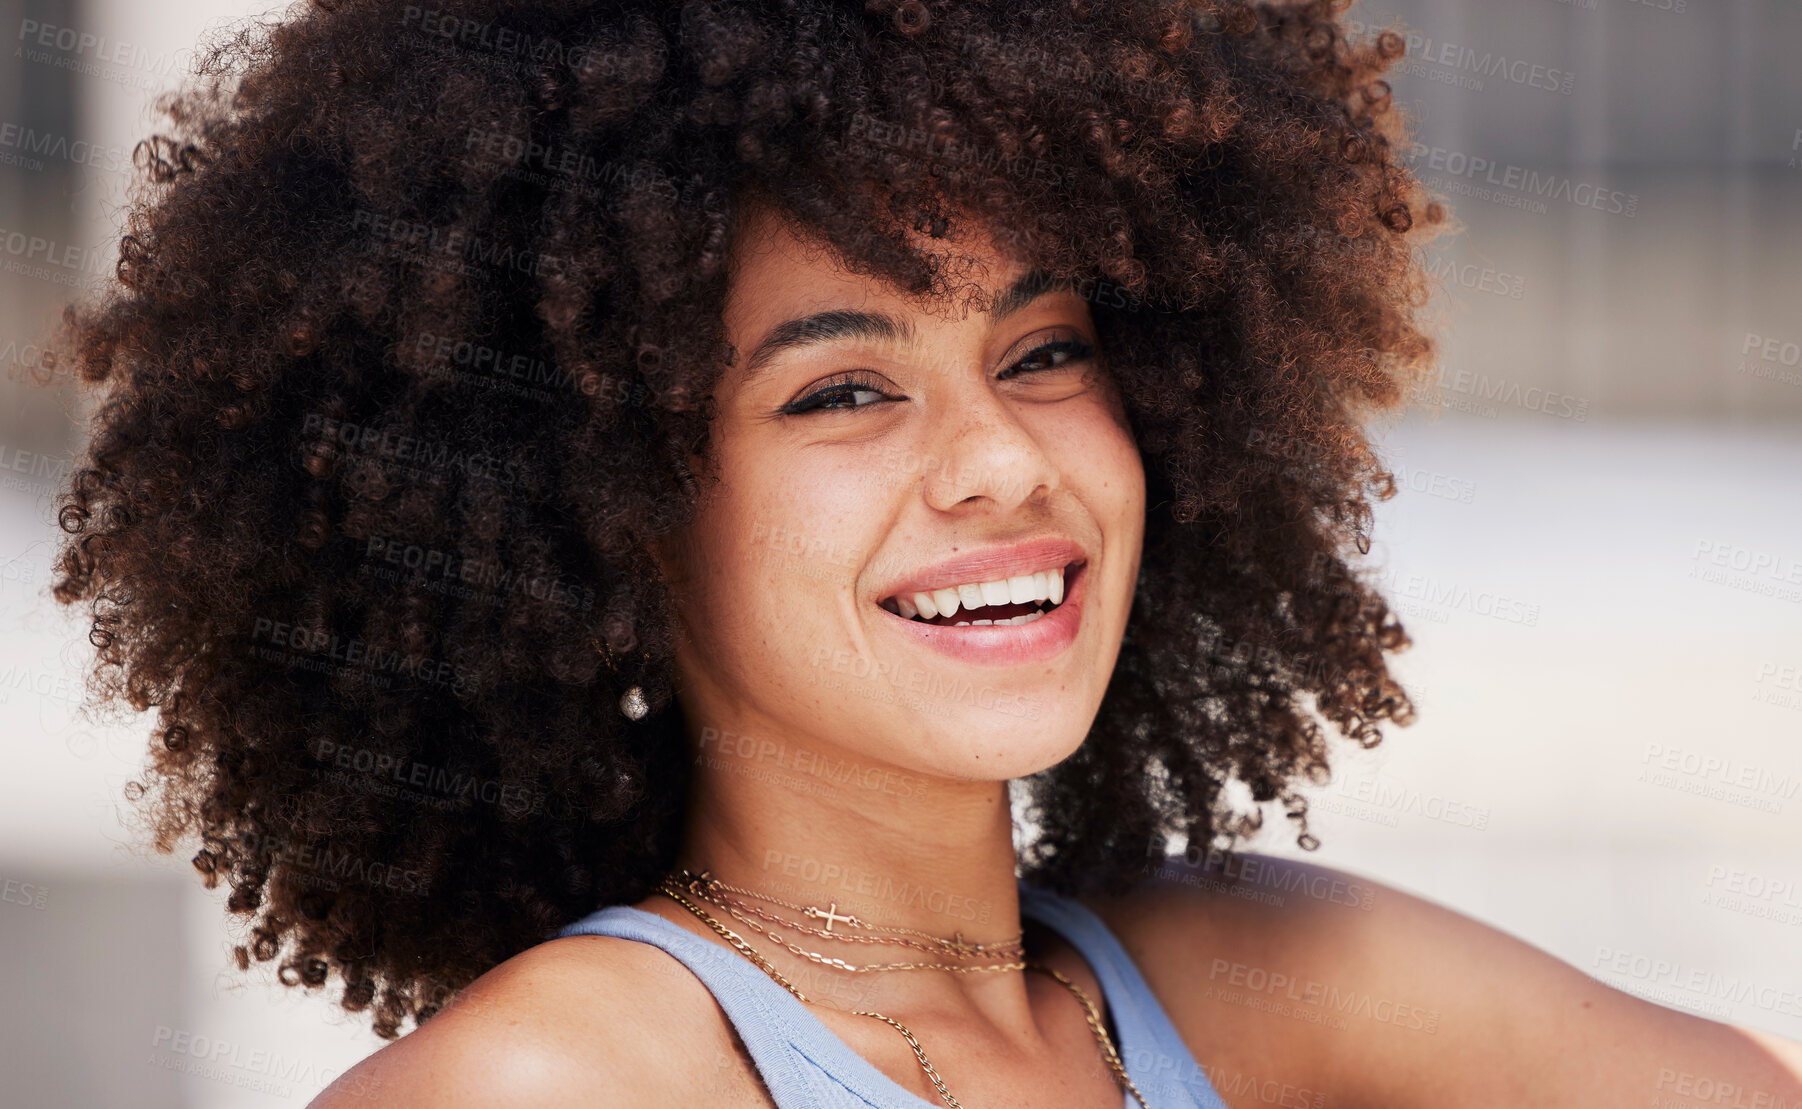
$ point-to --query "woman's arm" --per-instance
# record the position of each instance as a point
(1361, 995)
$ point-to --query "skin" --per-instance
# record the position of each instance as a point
(801, 765)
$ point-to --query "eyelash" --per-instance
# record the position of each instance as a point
(851, 383)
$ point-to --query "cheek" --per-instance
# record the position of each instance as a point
(1101, 464)
(785, 542)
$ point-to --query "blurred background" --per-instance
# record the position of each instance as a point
(1596, 545)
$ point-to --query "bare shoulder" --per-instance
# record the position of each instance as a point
(1330, 989)
(579, 1020)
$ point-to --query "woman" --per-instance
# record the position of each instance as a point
(614, 504)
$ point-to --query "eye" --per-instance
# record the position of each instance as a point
(1054, 355)
(853, 389)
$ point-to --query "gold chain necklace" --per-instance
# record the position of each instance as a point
(708, 886)
(957, 946)
(700, 886)
(670, 888)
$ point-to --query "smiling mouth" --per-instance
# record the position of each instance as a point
(1017, 600)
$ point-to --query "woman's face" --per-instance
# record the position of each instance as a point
(877, 464)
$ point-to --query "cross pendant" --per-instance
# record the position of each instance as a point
(829, 915)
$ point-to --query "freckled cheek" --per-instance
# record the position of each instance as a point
(1104, 469)
(1100, 461)
(786, 552)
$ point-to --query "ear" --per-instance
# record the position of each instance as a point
(669, 551)
(675, 555)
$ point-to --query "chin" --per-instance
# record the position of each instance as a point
(986, 745)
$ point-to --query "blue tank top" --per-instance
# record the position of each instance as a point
(806, 1066)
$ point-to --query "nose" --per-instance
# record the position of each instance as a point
(982, 454)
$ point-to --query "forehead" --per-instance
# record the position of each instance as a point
(779, 268)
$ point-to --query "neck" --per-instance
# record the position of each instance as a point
(813, 825)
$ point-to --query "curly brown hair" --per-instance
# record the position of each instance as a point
(417, 323)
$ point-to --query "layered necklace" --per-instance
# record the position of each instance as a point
(687, 887)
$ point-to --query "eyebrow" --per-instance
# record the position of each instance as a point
(845, 323)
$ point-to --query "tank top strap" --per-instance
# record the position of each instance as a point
(802, 1063)
(1156, 1057)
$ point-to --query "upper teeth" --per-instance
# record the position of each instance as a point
(1042, 586)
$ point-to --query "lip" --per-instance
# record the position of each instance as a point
(1010, 644)
(993, 564)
